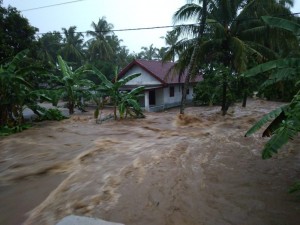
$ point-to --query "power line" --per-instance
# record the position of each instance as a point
(160, 27)
(48, 6)
(127, 29)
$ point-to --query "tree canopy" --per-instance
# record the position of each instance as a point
(16, 34)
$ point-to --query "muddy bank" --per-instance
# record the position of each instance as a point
(160, 170)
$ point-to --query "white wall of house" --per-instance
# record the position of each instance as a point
(172, 100)
(144, 79)
(163, 99)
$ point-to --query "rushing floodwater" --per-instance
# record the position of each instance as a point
(161, 170)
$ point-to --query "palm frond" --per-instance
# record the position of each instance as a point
(186, 12)
(240, 58)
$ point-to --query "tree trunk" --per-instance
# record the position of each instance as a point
(244, 92)
(115, 111)
(245, 99)
(192, 66)
(71, 107)
(224, 97)
(183, 98)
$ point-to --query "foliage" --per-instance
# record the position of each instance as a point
(229, 37)
(71, 49)
(5, 130)
(149, 53)
(16, 92)
(16, 34)
(125, 102)
(295, 188)
(74, 85)
(129, 103)
(52, 114)
(49, 45)
(286, 120)
(204, 94)
(98, 46)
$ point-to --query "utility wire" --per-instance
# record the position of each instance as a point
(127, 29)
(162, 27)
(48, 6)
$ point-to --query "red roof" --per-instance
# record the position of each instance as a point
(161, 71)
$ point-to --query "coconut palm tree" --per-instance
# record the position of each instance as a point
(227, 38)
(183, 13)
(171, 40)
(72, 45)
(49, 45)
(149, 53)
(98, 45)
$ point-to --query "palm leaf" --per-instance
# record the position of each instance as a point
(186, 12)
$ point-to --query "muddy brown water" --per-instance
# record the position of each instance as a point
(161, 170)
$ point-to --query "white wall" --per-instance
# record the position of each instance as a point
(175, 98)
(144, 79)
(177, 94)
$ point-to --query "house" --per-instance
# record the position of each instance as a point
(162, 87)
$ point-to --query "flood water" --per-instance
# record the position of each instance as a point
(161, 170)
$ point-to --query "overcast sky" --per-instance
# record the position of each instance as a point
(121, 13)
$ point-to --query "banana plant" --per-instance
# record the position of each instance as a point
(285, 123)
(129, 103)
(125, 102)
(73, 84)
(16, 91)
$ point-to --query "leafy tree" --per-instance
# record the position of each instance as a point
(204, 94)
(72, 46)
(16, 92)
(16, 34)
(49, 45)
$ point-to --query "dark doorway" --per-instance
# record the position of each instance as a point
(152, 97)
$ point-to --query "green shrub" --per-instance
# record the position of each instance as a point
(53, 114)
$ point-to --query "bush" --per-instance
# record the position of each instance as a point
(53, 114)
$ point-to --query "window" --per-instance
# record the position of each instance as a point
(188, 91)
(171, 91)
